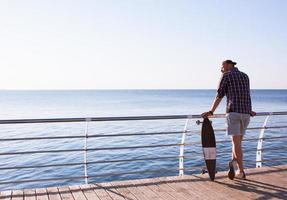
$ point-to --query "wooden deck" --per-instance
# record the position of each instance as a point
(264, 183)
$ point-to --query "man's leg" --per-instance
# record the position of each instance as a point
(233, 156)
(236, 125)
(237, 150)
(241, 138)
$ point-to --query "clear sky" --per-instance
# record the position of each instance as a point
(140, 44)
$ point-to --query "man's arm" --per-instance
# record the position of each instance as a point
(215, 104)
(221, 91)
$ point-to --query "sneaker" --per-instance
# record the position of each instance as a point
(231, 173)
(241, 175)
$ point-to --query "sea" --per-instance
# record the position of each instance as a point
(35, 104)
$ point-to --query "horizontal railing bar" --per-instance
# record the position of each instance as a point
(128, 118)
(275, 159)
(265, 138)
(270, 149)
(125, 134)
(43, 138)
(41, 166)
(266, 127)
(119, 148)
(192, 154)
(89, 149)
(265, 149)
(136, 134)
(135, 159)
(89, 136)
(218, 141)
(89, 163)
(43, 151)
(133, 147)
(246, 139)
(273, 138)
(94, 119)
(224, 152)
(271, 113)
(114, 148)
(253, 128)
(41, 180)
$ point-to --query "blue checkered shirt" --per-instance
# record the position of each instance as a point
(235, 85)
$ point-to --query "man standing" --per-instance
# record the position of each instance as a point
(234, 84)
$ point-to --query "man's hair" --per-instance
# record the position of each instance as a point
(229, 62)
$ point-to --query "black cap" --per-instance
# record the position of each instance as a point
(229, 62)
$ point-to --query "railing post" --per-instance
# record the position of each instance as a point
(260, 143)
(86, 150)
(181, 149)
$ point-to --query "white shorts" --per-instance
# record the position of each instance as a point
(237, 123)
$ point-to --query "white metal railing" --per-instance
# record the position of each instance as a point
(181, 169)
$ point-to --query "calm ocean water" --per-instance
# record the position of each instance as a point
(90, 103)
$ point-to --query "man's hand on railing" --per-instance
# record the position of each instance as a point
(252, 114)
(206, 114)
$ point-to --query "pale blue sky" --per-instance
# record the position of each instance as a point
(136, 44)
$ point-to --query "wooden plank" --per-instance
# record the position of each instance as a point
(89, 193)
(42, 194)
(112, 191)
(152, 185)
(77, 193)
(172, 191)
(53, 193)
(161, 192)
(136, 191)
(122, 188)
(65, 193)
(150, 194)
(6, 195)
(100, 192)
(214, 189)
(179, 183)
(30, 194)
(17, 195)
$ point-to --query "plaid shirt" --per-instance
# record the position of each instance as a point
(235, 85)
